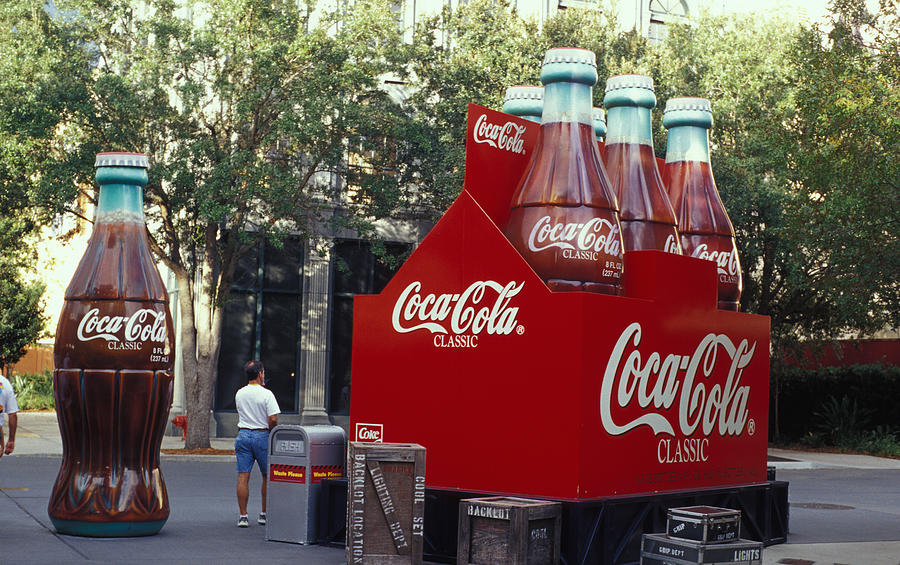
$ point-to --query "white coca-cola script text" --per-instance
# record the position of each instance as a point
(470, 311)
(597, 234)
(672, 245)
(726, 261)
(656, 383)
(507, 136)
(142, 325)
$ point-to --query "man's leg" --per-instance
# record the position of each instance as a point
(243, 492)
(262, 491)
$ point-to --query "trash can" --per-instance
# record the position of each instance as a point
(299, 458)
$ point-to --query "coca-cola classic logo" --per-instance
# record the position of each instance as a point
(457, 319)
(655, 383)
(726, 261)
(672, 245)
(507, 136)
(587, 238)
(143, 325)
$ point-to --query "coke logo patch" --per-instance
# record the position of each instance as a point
(672, 245)
(595, 235)
(373, 433)
(144, 325)
(656, 384)
(726, 261)
(483, 307)
(507, 137)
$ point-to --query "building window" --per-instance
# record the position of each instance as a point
(663, 13)
(262, 321)
(583, 4)
(369, 159)
(356, 270)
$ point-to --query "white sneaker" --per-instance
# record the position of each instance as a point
(262, 519)
(243, 522)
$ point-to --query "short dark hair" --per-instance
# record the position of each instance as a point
(252, 369)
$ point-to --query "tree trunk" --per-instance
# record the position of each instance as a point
(197, 411)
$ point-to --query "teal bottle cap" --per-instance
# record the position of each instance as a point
(629, 90)
(122, 159)
(524, 100)
(599, 117)
(524, 93)
(688, 111)
(569, 64)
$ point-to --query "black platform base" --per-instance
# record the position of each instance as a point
(595, 532)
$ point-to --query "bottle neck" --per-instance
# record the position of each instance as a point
(687, 143)
(628, 124)
(120, 203)
(567, 102)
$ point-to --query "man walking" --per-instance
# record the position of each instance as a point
(257, 414)
(8, 405)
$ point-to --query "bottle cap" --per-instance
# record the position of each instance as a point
(629, 90)
(688, 111)
(122, 159)
(569, 64)
(524, 101)
(524, 93)
(629, 81)
(599, 121)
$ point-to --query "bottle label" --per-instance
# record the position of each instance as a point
(726, 260)
(672, 245)
(507, 137)
(584, 241)
(123, 332)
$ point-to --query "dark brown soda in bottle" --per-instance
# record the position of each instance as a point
(703, 225)
(113, 377)
(563, 217)
(645, 213)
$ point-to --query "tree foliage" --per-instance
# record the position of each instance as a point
(258, 120)
(255, 113)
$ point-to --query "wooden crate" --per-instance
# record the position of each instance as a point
(508, 531)
(385, 503)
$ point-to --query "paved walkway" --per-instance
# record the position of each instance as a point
(845, 509)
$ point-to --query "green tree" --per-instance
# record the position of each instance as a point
(21, 316)
(248, 110)
(805, 154)
(472, 54)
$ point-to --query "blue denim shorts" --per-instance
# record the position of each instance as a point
(252, 445)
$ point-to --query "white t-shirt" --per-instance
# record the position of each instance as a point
(255, 404)
(8, 403)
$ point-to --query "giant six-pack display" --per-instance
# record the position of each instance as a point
(534, 352)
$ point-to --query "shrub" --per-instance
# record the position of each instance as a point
(873, 389)
(34, 391)
(842, 423)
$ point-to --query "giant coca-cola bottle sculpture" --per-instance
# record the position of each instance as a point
(703, 225)
(599, 123)
(563, 217)
(524, 101)
(645, 213)
(114, 357)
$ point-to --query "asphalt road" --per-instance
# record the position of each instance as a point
(844, 509)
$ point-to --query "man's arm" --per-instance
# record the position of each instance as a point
(273, 421)
(11, 442)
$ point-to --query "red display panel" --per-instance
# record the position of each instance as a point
(514, 389)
